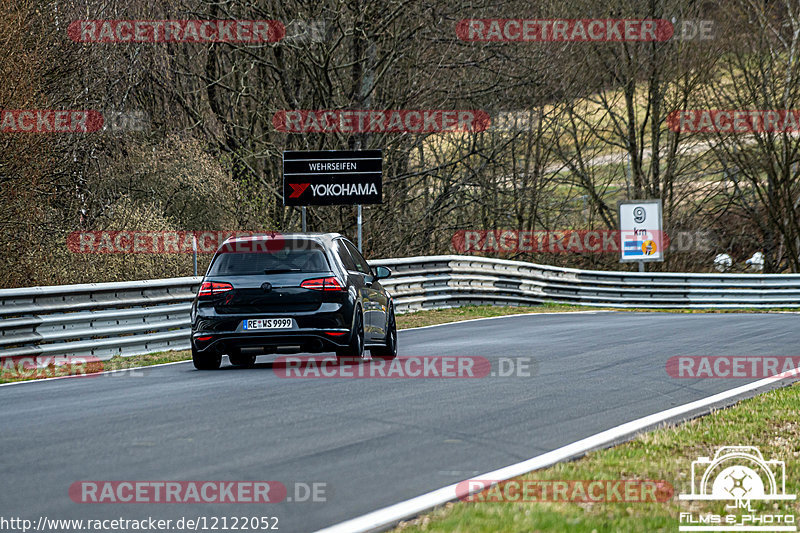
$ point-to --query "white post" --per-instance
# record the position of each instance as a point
(359, 228)
(194, 252)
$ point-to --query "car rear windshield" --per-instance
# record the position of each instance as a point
(291, 256)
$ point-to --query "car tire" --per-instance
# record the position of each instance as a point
(243, 361)
(389, 350)
(355, 349)
(209, 361)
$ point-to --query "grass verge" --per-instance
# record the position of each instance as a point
(21, 371)
(768, 421)
(431, 317)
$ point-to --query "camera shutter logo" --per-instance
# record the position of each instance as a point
(740, 474)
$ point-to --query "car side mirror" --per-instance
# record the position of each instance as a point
(382, 272)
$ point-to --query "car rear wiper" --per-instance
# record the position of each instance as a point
(280, 270)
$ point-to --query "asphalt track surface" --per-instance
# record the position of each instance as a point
(372, 442)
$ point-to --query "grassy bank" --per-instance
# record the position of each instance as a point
(768, 421)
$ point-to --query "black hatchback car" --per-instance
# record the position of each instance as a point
(290, 293)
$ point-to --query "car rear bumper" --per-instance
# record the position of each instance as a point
(296, 341)
(324, 330)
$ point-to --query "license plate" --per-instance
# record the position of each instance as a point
(268, 323)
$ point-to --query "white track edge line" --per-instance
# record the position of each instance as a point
(414, 506)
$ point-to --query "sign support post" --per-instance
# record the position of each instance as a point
(359, 227)
(303, 217)
(194, 253)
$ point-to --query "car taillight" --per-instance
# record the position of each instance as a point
(322, 284)
(209, 288)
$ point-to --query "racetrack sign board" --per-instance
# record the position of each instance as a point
(640, 231)
(333, 177)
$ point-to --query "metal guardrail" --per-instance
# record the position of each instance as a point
(97, 319)
(136, 317)
(453, 280)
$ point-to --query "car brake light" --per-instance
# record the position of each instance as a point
(322, 284)
(335, 333)
(209, 288)
(208, 338)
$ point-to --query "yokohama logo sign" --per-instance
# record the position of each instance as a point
(315, 192)
(298, 189)
(343, 189)
(330, 177)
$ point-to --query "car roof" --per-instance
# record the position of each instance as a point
(327, 237)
